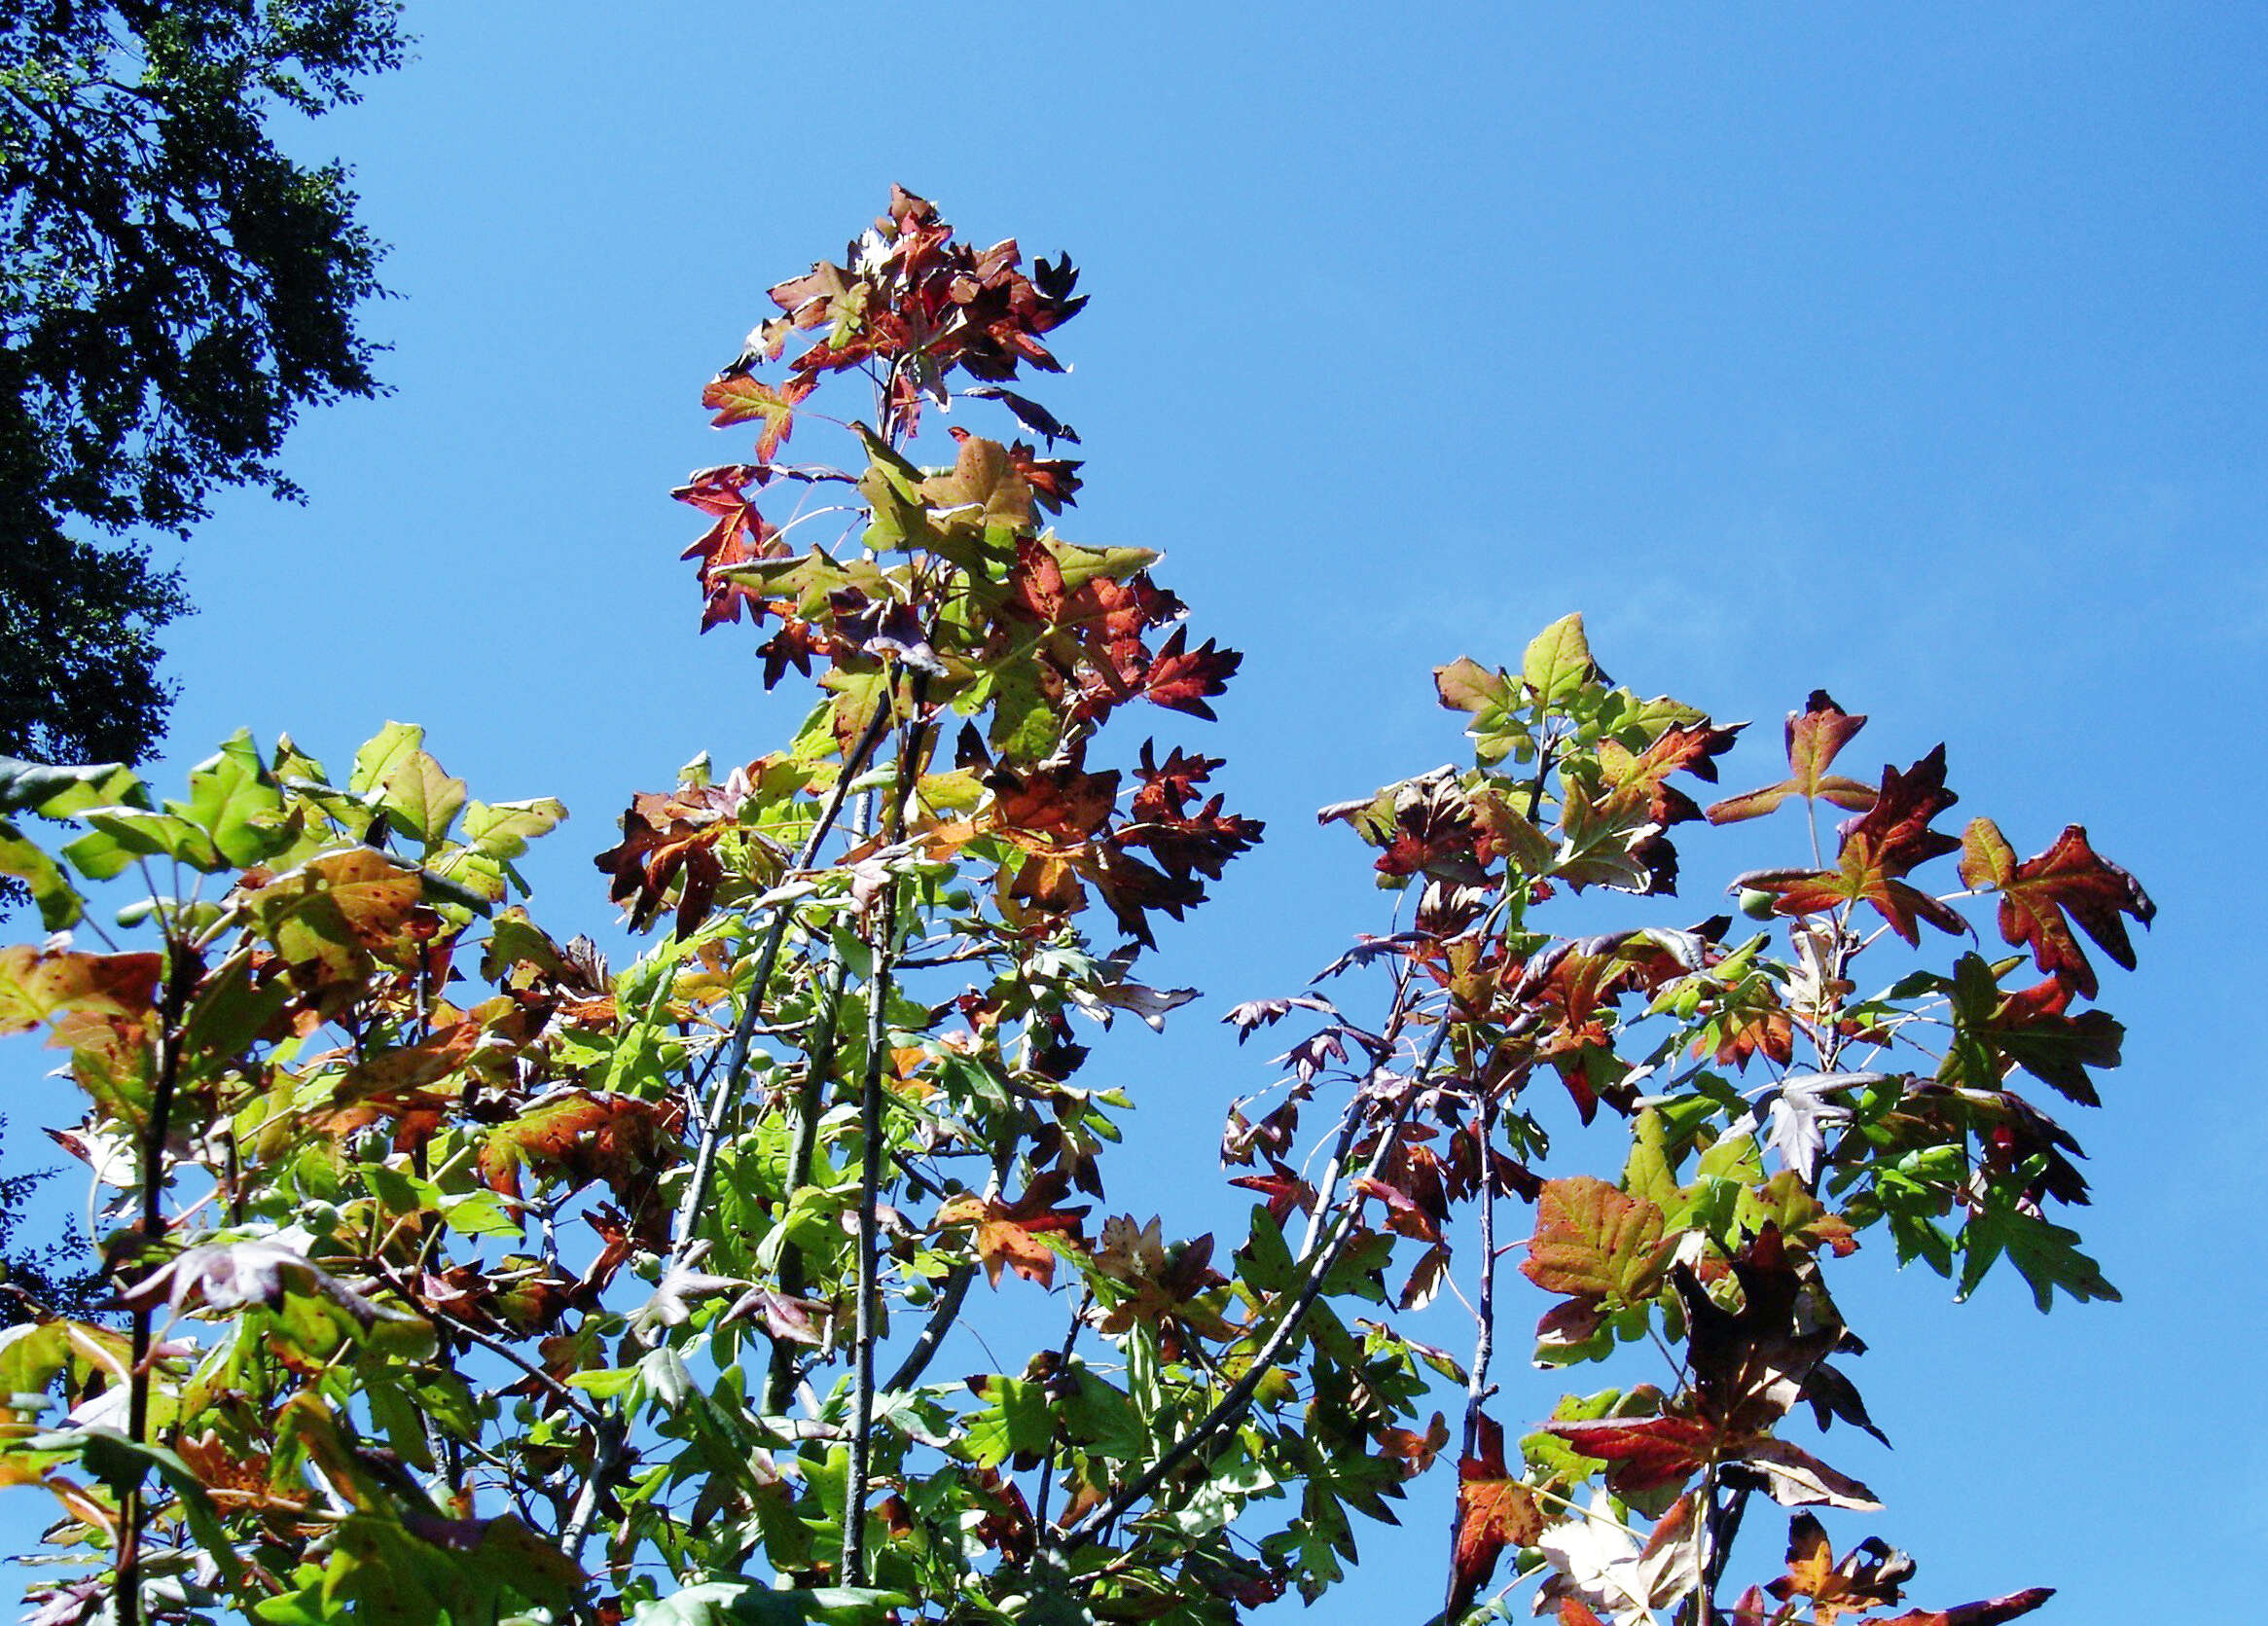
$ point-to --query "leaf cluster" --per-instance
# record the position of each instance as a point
(464, 1275)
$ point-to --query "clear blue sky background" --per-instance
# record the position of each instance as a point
(1912, 352)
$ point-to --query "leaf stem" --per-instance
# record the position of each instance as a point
(873, 1128)
(1233, 1405)
(726, 1087)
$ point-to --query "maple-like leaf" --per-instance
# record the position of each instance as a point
(330, 917)
(740, 398)
(1815, 735)
(1638, 778)
(1879, 848)
(2042, 897)
(1008, 1234)
(1494, 1510)
(1870, 1574)
(1644, 1453)
(1182, 679)
(1049, 809)
(1592, 1239)
(666, 835)
(581, 1137)
(2034, 1028)
(738, 534)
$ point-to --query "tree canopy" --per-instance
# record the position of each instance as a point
(173, 288)
(780, 1275)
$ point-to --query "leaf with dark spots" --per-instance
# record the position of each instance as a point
(333, 914)
(1494, 1510)
(39, 986)
(2042, 897)
(1814, 737)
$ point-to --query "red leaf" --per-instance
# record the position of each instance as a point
(1642, 1454)
(1989, 1612)
(2068, 880)
(1182, 679)
(1638, 777)
(740, 398)
(1493, 1511)
(1814, 736)
(1879, 848)
(740, 535)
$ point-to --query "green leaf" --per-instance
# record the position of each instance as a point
(59, 792)
(122, 835)
(1558, 664)
(1016, 1424)
(503, 829)
(59, 904)
(424, 800)
(736, 1603)
(2046, 1253)
(235, 800)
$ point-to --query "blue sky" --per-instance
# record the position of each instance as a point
(1913, 354)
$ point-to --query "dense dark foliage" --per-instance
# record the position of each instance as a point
(173, 288)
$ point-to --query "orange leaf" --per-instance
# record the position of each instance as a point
(1493, 1511)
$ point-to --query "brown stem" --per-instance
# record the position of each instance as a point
(802, 1145)
(1047, 1472)
(181, 967)
(1477, 1389)
(873, 1130)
